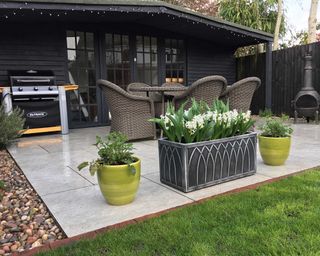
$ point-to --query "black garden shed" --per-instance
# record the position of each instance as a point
(121, 41)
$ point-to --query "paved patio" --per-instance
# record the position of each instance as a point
(73, 197)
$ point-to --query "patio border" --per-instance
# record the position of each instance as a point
(93, 234)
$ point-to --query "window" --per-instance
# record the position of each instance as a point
(118, 59)
(81, 67)
(175, 61)
(147, 59)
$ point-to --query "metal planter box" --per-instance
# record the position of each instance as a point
(193, 166)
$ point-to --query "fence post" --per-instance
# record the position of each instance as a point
(268, 81)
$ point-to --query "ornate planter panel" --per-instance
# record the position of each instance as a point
(193, 166)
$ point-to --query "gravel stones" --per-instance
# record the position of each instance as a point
(25, 222)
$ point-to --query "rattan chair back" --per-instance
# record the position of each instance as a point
(130, 113)
(137, 85)
(207, 89)
(240, 94)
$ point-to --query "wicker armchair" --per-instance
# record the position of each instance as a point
(155, 96)
(137, 85)
(207, 89)
(173, 93)
(130, 113)
(240, 93)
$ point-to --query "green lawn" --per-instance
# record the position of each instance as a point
(282, 218)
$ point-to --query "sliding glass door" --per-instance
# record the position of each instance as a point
(118, 59)
(83, 107)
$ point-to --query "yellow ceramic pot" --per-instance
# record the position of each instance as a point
(274, 151)
(117, 183)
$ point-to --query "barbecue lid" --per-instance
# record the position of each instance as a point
(31, 72)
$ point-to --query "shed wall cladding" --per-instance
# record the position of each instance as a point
(32, 47)
(205, 58)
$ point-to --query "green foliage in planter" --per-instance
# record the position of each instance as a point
(265, 113)
(112, 150)
(11, 126)
(202, 122)
(275, 127)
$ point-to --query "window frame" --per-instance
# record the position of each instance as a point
(183, 63)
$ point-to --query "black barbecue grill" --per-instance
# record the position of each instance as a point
(37, 94)
(33, 83)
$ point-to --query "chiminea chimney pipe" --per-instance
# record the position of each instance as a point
(307, 86)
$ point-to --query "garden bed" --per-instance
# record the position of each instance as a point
(25, 220)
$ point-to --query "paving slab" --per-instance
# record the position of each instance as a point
(50, 164)
(85, 209)
(213, 190)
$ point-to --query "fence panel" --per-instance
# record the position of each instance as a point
(287, 75)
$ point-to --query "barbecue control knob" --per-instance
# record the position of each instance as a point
(36, 88)
(20, 89)
(50, 88)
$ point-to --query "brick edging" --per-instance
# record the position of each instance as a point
(93, 234)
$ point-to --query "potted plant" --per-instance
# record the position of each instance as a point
(275, 141)
(117, 169)
(205, 145)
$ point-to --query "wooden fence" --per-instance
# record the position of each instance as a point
(287, 75)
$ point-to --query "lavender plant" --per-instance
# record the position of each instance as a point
(11, 126)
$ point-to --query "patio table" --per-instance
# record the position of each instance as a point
(163, 90)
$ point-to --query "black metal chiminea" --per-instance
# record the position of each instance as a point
(307, 101)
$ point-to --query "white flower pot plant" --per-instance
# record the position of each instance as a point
(205, 145)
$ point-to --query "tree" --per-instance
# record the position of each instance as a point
(278, 24)
(257, 14)
(206, 7)
(300, 38)
(312, 22)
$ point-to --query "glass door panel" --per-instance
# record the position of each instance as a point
(81, 69)
(175, 61)
(147, 59)
(118, 59)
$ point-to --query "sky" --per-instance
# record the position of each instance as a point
(297, 13)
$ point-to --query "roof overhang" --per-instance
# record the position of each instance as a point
(152, 13)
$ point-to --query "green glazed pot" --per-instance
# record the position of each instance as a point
(274, 151)
(117, 183)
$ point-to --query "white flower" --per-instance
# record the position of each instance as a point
(234, 114)
(191, 126)
(227, 118)
(196, 123)
(208, 115)
(219, 118)
(167, 122)
(246, 116)
(199, 119)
